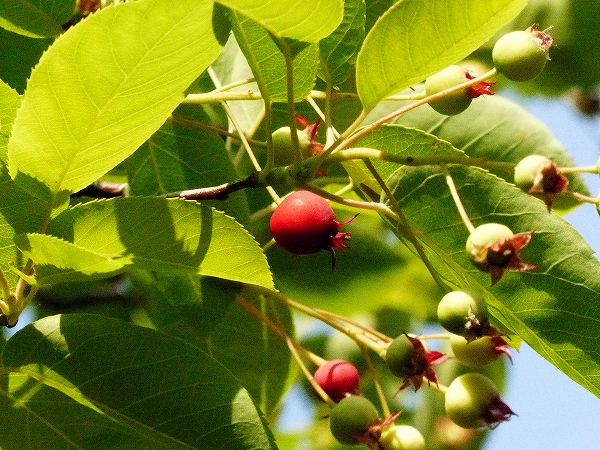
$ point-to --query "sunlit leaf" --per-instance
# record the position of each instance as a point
(281, 17)
(104, 87)
(157, 234)
(85, 381)
(416, 38)
(268, 63)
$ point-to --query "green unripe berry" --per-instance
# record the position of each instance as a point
(476, 353)
(521, 55)
(351, 419)
(528, 169)
(399, 356)
(454, 103)
(282, 145)
(463, 313)
(482, 237)
(401, 437)
(473, 401)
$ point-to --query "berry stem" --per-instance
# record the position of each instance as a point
(307, 373)
(454, 193)
(403, 223)
(586, 169)
(360, 334)
(580, 197)
(375, 373)
(276, 329)
(372, 206)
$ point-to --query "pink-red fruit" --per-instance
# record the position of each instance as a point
(473, 401)
(304, 223)
(351, 420)
(522, 55)
(337, 378)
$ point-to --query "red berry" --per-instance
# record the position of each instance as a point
(304, 223)
(338, 378)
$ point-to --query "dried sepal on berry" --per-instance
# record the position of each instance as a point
(473, 401)
(538, 175)
(407, 358)
(493, 248)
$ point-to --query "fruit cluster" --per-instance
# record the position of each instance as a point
(519, 56)
(304, 223)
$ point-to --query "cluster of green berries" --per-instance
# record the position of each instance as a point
(472, 400)
(519, 56)
(354, 419)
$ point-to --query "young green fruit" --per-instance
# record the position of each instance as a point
(464, 314)
(351, 420)
(473, 401)
(407, 358)
(479, 352)
(304, 223)
(282, 145)
(337, 378)
(493, 248)
(528, 169)
(401, 437)
(458, 101)
(522, 55)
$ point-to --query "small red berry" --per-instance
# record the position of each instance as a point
(304, 223)
(338, 378)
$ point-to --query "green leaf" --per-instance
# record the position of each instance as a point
(268, 63)
(416, 38)
(296, 19)
(177, 158)
(104, 87)
(230, 67)
(85, 381)
(18, 55)
(19, 212)
(340, 49)
(498, 129)
(10, 101)
(551, 307)
(36, 18)
(59, 260)
(158, 234)
(204, 311)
